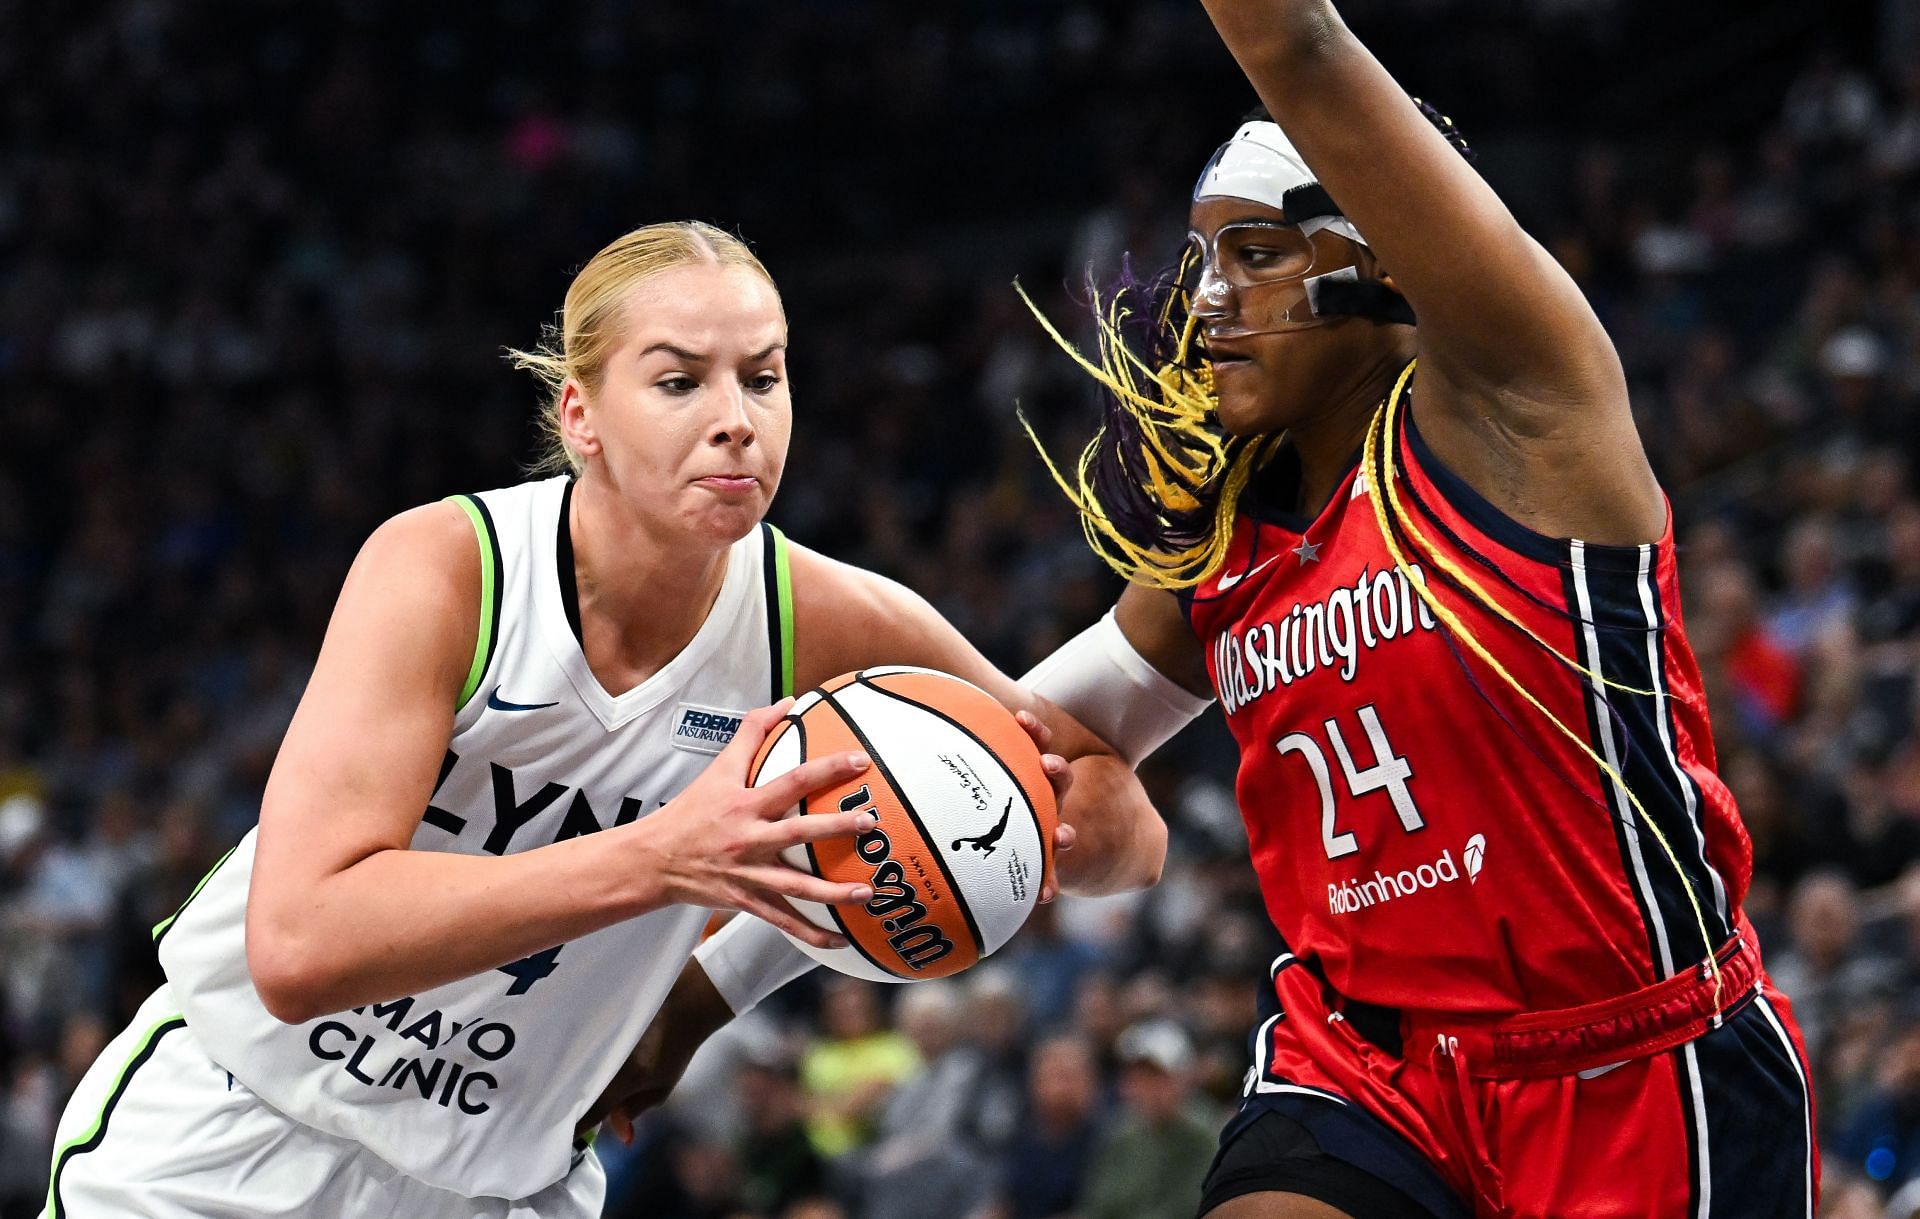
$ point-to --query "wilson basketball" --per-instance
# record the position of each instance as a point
(966, 820)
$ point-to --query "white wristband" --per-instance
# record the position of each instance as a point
(748, 959)
(1100, 679)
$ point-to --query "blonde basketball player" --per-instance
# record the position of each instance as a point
(497, 822)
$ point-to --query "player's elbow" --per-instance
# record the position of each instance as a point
(1295, 39)
(1150, 855)
(1145, 837)
(287, 974)
(1120, 861)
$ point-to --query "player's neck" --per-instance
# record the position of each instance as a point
(642, 597)
(1326, 444)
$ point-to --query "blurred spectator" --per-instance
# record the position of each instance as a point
(1761, 675)
(1845, 1194)
(920, 1151)
(1783, 846)
(1050, 963)
(779, 1167)
(1882, 1137)
(1822, 971)
(928, 1107)
(1044, 1173)
(1153, 1158)
(1817, 599)
(995, 1024)
(852, 1070)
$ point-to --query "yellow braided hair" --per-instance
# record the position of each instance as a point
(1158, 484)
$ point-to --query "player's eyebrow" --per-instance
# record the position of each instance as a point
(695, 357)
(691, 357)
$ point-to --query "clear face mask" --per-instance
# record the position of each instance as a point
(1252, 278)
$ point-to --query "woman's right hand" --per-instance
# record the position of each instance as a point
(717, 844)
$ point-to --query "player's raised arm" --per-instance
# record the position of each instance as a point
(1515, 368)
(1487, 295)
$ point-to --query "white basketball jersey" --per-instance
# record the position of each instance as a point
(476, 1086)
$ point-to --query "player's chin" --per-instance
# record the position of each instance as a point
(1244, 394)
(727, 518)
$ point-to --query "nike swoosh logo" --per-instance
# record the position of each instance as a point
(1227, 582)
(499, 704)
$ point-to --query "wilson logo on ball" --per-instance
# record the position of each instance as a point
(895, 900)
(964, 820)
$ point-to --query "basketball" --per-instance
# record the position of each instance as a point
(966, 820)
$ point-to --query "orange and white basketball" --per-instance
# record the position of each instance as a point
(966, 820)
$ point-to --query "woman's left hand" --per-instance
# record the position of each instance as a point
(1060, 777)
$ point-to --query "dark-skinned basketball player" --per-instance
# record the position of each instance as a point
(1369, 466)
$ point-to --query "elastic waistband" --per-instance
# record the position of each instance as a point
(1571, 1039)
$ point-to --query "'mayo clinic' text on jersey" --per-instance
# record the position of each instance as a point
(476, 1086)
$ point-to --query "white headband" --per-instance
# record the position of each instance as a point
(1260, 164)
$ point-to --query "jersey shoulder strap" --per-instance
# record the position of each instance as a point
(779, 586)
(490, 572)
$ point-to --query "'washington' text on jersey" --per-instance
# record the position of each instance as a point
(1328, 634)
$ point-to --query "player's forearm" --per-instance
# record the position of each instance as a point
(1120, 841)
(401, 921)
(1273, 35)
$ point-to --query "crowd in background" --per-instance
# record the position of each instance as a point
(260, 260)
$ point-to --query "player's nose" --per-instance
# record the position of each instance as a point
(1214, 299)
(732, 422)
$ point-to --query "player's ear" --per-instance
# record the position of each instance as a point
(576, 424)
(1370, 268)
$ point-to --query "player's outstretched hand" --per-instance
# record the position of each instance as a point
(1060, 775)
(718, 843)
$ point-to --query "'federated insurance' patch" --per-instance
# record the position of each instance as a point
(704, 729)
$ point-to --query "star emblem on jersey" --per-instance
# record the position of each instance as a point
(1309, 552)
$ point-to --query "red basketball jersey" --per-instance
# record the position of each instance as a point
(1419, 828)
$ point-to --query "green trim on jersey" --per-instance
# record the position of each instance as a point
(160, 928)
(98, 1130)
(780, 612)
(489, 594)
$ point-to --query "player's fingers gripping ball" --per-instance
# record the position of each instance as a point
(966, 818)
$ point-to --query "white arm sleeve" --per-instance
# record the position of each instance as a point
(1099, 678)
(749, 959)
